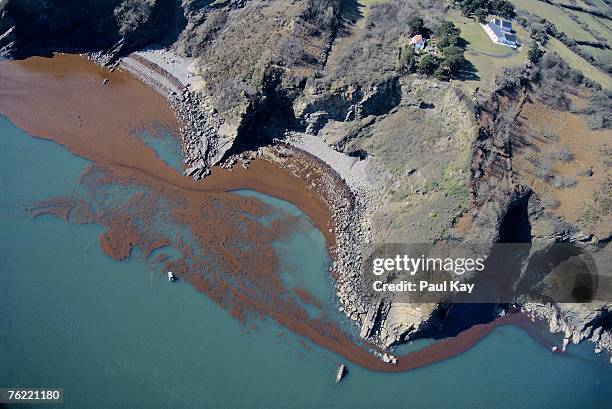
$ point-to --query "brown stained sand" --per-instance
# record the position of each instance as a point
(226, 252)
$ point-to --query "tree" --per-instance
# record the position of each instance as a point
(447, 34)
(469, 7)
(428, 64)
(454, 60)
(447, 28)
(448, 41)
(503, 8)
(481, 7)
(408, 60)
(535, 53)
(481, 15)
(416, 25)
(443, 72)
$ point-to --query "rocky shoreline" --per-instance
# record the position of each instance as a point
(574, 322)
(336, 178)
(350, 199)
(200, 121)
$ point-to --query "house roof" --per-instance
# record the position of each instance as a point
(504, 24)
(417, 39)
(498, 32)
(510, 37)
(501, 34)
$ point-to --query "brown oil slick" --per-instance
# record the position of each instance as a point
(144, 204)
(63, 99)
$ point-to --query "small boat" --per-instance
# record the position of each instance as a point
(171, 276)
(341, 373)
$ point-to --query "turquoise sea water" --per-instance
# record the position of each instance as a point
(166, 147)
(303, 260)
(117, 334)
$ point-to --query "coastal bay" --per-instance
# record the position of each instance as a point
(305, 204)
(127, 160)
(117, 333)
(96, 120)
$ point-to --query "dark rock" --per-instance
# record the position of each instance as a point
(112, 26)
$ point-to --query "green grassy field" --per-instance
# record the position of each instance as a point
(579, 63)
(555, 15)
(487, 66)
(561, 18)
(590, 4)
(600, 54)
(603, 56)
(596, 25)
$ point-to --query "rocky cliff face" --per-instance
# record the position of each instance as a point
(516, 208)
(115, 26)
(407, 137)
(275, 47)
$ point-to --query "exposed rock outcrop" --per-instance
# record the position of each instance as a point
(349, 103)
(577, 322)
(514, 213)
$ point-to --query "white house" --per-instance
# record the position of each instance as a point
(500, 32)
(418, 41)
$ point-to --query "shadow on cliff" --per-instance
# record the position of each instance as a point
(514, 228)
(458, 318)
(351, 14)
(113, 27)
(269, 116)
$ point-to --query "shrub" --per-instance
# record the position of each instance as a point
(549, 200)
(551, 77)
(561, 182)
(600, 110)
(535, 53)
(542, 169)
(428, 64)
(510, 79)
(197, 38)
(564, 154)
(408, 60)
(132, 14)
(416, 25)
(291, 51)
